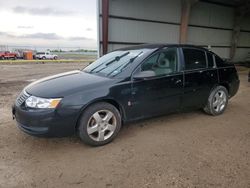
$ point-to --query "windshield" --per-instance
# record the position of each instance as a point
(114, 62)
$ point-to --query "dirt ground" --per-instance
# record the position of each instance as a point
(179, 150)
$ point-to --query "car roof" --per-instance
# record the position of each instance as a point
(159, 46)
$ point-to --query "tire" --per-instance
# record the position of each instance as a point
(2, 58)
(94, 130)
(55, 58)
(43, 58)
(217, 101)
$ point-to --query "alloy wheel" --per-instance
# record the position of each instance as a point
(101, 125)
(219, 101)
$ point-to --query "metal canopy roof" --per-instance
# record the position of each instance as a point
(232, 3)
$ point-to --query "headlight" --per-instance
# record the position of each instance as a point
(37, 102)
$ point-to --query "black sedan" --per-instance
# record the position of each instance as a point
(126, 85)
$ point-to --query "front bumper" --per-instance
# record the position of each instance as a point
(46, 122)
(35, 131)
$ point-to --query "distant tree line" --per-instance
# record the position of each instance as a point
(78, 50)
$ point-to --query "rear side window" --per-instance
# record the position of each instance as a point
(220, 62)
(194, 59)
(210, 60)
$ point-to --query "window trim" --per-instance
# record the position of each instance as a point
(214, 64)
(179, 63)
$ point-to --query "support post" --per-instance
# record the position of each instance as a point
(186, 6)
(105, 25)
(239, 14)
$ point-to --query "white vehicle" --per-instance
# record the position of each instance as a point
(45, 55)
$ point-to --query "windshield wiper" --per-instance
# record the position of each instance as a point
(124, 66)
(117, 58)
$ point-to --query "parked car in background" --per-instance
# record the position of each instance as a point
(126, 85)
(45, 55)
(8, 55)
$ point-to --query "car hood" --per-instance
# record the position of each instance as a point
(64, 84)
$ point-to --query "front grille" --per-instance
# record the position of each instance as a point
(21, 98)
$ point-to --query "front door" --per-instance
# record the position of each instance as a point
(161, 93)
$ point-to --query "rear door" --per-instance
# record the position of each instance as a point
(162, 93)
(200, 76)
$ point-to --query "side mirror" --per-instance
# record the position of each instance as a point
(144, 75)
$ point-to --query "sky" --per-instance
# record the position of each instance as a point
(48, 23)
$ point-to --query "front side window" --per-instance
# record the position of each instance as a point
(162, 63)
(194, 59)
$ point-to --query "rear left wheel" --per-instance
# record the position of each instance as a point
(217, 101)
(99, 124)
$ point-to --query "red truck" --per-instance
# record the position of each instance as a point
(8, 55)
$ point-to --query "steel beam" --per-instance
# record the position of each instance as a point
(239, 13)
(105, 26)
(186, 6)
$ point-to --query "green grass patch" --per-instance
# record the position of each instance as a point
(47, 61)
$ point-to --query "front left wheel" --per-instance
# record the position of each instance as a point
(99, 124)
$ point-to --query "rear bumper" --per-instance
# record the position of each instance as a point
(234, 88)
(46, 122)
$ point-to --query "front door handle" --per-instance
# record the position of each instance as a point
(175, 79)
(178, 81)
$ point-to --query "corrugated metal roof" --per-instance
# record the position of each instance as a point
(227, 2)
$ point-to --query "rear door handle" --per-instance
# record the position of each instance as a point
(210, 74)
